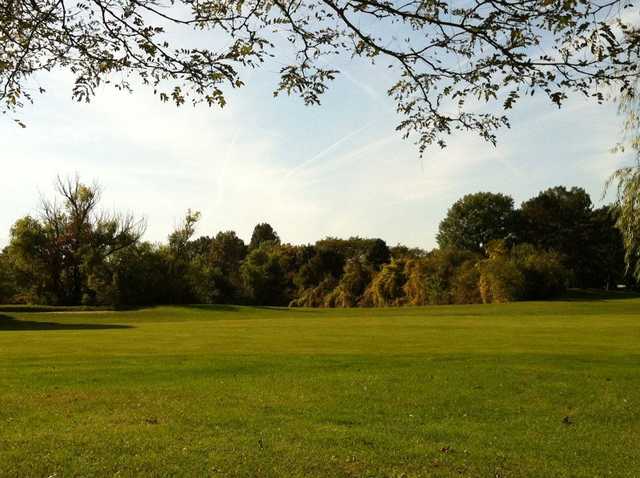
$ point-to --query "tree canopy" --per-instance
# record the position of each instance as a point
(627, 180)
(447, 60)
(57, 254)
(73, 254)
(475, 220)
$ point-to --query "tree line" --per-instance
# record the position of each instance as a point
(74, 253)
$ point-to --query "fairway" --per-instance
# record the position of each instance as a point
(546, 389)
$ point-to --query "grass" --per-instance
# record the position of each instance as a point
(548, 389)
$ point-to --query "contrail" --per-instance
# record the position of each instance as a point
(325, 151)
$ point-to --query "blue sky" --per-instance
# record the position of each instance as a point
(337, 170)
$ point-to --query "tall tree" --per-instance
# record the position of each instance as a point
(264, 275)
(627, 180)
(560, 219)
(59, 250)
(225, 257)
(475, 220)
(444, 59)
(628, 222)
(263, 232)
(7, 280)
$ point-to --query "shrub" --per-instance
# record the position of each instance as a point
(433, 279)
(524, 272)
(264, 276)
(544, 274)
(386, 288)
(315, 296)
(353, 283)
(500, 281)
(465, 285)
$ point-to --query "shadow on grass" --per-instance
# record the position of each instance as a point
(11, 323)
(583, 295)
(68, 308)
(212, 307)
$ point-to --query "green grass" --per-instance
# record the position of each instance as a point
(520, 390)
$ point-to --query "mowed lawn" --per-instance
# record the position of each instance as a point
(549, 389)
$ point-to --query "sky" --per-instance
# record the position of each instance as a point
(339, 170)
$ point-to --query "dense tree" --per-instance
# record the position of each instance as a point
(8, 289)
(399, 252)
(137, 275)
(475, 220)
(627, 180)
(387, 287)
(57, 252)
(326, 262)
(263, 232)
(544, 275)
(378, 253)
(444, 59)
(559, 219)
(188, 270)
(264, 275)
(73, 253)
(225, 258)
(520, 272)
(352, 285)
(606, 250)
(434, 279)
(628, 222)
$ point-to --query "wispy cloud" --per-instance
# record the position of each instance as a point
(337, 175)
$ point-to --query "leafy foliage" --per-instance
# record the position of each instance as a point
(263, 232)
(438, 278)
(263, 275)
(55, 254)
(386, 288)
(73, 254)
(446, 60)
(627, 180)
(628, 222)
(475, 220)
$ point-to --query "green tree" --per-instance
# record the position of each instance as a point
(125, 43)
(606, 250)
(353, 283)
(500, 279)
(434, 279)
(7, 280)
(186, 269)
(521, 272)
(561, 220)
(263, 232)
(225, 257)
(139, 276)
(475, 220)
(56, 253)
(628, 222)
(627, 180)
(387, 287)
(378, 254)
(264, 275)
(544, 274)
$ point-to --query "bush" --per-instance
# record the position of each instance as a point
(264, 276)
(500, 281)
(386, 288)
(353, 283)
(434, 279)
(524, 272)
(465, 285)
(544, 274)
(315, 296)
